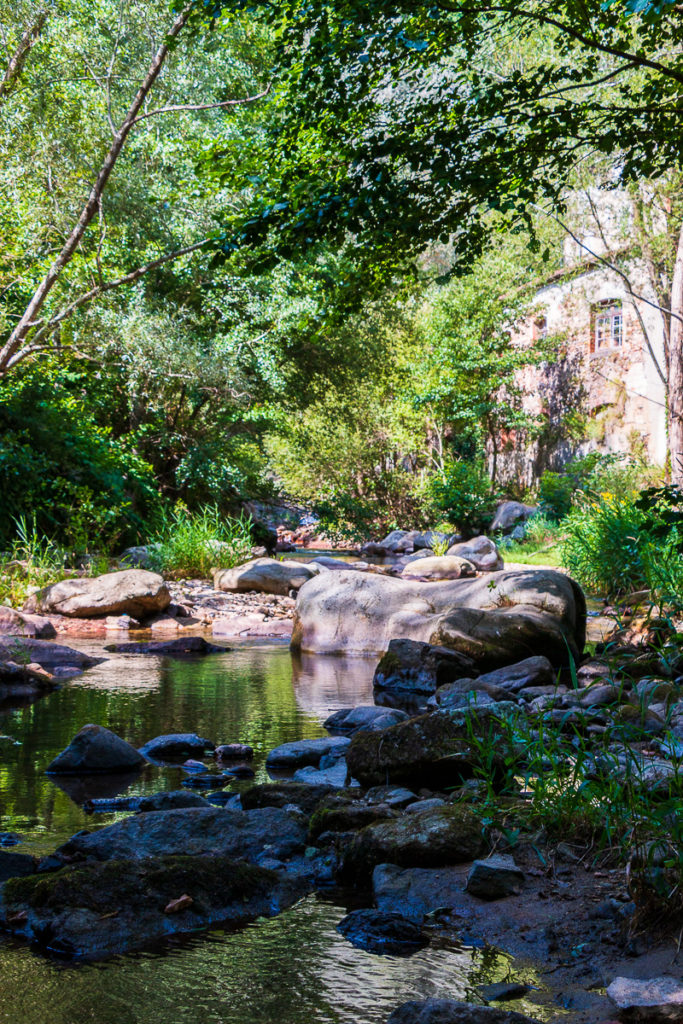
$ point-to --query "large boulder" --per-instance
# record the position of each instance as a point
(433, 838)
(443, 567)
(133, 592)
(481, 552)
(432, 750)
(510, 514)
(452, 1011)
(96, 749)
(267, 575)
(193, 831)
(523, 613)
(97, 909)
(415, 667)
(15, 623)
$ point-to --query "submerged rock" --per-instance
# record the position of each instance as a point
(378, 932)
(97, 909)
(452, 1011)
(133, 592)
(96, 749)
(417, 667)
(267, 575)
(156, 802)
(434, 838)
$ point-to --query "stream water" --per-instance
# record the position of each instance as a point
(293, 969)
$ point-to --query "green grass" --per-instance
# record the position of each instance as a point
(191, 544)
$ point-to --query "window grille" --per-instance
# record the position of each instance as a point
(608, 325)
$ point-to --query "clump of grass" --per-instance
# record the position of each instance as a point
(541, 544)
(191, 544)
(33, 561)
(440, 547)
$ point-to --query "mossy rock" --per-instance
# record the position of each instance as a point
(435, 750)
(438, 837)
(338, 813)
(279, 794)
(99, 908)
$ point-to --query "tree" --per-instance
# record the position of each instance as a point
(406, 122)
(105, 63)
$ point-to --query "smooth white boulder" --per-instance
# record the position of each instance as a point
(133, 592)
(267, 575)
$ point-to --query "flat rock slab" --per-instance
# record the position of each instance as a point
(94, 910)
(415, 892)
(652, 1000)
(451, 1011)
(182, 645)
(193, 831)
(132, 592)
(378, 932)
(305, 752)
(96, 749)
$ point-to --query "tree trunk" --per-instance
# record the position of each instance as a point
(18, 59)
(675, 386)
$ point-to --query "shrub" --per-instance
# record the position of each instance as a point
(555, 493)
(603, 544)
(463, 494)
(190, 544)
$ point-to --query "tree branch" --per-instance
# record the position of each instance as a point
(204, 106)
(16, 64)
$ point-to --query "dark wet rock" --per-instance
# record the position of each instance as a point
(378, 932)
(176, 745)
(207, 781)
(425, 805)
(415, 892)
(222, 798)
(240, 771)
(192, 831)
(305, 752)
(156, 802)
(454, 698)
(96, 749)
(40, 661)
(510, 514)
(234, 752)
(133, 592)
(494, 878)
(430, 751)
(451, 1011)
(280, 794)
(9, 839)
(15, 865)
(363, 717)
(180, 645)
(503, 991)
(97, 909)
(341, 813)
(443, 836)
(652, 999)
(193, 766)
(393, 796)
(419, 667)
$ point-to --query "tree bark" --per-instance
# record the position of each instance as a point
(28, 319)
(16, 64)
(675, 386)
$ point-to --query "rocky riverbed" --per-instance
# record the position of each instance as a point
(414, 799)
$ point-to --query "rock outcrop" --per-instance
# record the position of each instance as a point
(495, 620)
(133, 592)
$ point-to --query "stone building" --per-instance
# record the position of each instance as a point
(605, 391)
